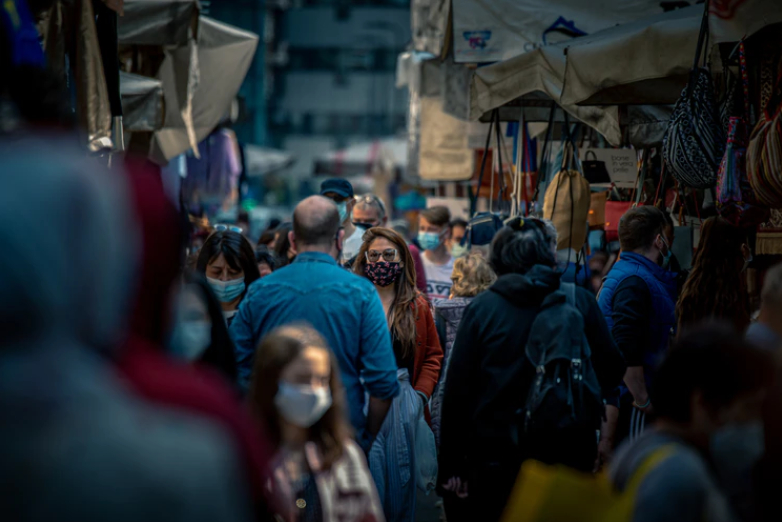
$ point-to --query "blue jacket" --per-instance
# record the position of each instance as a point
(662, 289)
(342, 306)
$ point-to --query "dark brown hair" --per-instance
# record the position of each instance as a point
(403, 324)
(639, 227)
(276, 351)
(236, 249)
(716, 287)
(437, 216)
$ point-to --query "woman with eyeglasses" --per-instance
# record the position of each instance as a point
(385, 260)
(227, 260)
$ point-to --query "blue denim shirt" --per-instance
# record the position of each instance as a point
(342, 306)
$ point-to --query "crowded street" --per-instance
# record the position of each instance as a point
(390, 261)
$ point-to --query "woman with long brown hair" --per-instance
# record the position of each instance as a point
(717, 285)
(296, 393)
(386, 261)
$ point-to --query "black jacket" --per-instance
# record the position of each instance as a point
(489, 374)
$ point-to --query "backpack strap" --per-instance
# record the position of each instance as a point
(569, 289)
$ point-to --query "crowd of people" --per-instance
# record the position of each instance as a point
(318, 375)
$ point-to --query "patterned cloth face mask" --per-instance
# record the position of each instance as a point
(383, 273)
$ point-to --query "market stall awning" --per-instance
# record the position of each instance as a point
(364, 158)
(535, 79)
(157, 22)
(142, 102)
(223, 54)
(648, 61)
(259, 161)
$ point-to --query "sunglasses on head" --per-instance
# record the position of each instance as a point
(226, 228)
(388, 255)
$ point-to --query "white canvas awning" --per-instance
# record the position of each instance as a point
(539, 76)
(648, 61)
(494, 30)
(223, 54)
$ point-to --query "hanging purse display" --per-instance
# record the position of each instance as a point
(595, 171)
(695, 140)
(764, 153)
(736, 201)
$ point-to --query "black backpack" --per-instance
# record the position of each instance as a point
(565, 392)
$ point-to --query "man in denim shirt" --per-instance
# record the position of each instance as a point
(343, 307)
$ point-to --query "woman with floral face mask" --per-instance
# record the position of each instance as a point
(228, 262)
(385, 260)
(318, 472)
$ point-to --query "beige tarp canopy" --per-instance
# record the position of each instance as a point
(157, 22)
(142, 102)
(224, 54)
(648, 61)
(537, 76)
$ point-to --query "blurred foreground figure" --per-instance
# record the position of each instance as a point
(146, 362)
(708, 437)
(74, 444)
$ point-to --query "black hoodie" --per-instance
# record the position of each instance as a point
(489, 375)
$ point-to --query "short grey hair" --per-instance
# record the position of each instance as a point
(772, 287)
(370, 200)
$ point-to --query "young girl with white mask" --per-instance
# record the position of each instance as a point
(318, 472)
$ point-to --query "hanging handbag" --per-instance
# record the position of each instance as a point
(484, 225)
(764, 154)
(595, 171)
(736, 200)
(695, 140)
(567, 199)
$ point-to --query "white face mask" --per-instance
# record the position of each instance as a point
(190, 339)
(300, 404)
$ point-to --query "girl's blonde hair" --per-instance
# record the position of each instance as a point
(471, 275)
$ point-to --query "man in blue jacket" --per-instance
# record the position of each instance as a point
(638, 300)
(343, 307)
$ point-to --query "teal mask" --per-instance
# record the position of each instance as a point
(227, 291)
(459, 250)
(429, 240)
(343, 211)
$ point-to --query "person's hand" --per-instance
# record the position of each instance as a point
(457, 486)
(605, 448)
(645, 406)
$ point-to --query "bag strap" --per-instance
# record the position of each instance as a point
(744, 79)
(569, 289)
(586, 156)
(647, 466)
(543, 164)
(476, 196)
(662, 181)
(703, 37)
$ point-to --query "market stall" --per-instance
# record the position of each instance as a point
(142, 102)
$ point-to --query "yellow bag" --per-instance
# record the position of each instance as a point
(566, 204)
(546, 493)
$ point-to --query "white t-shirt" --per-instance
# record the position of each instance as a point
(352, 245)
(438, 279)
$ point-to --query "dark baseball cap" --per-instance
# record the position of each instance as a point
(338, 186)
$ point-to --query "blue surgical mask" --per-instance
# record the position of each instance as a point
(190, 339)
(343, 211)
(667, 256)
(227, 291)
(459, 250)
(429, 240)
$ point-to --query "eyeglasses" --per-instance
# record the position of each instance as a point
(388, 255)
(225, 228)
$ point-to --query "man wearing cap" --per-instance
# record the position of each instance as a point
(340, 191)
